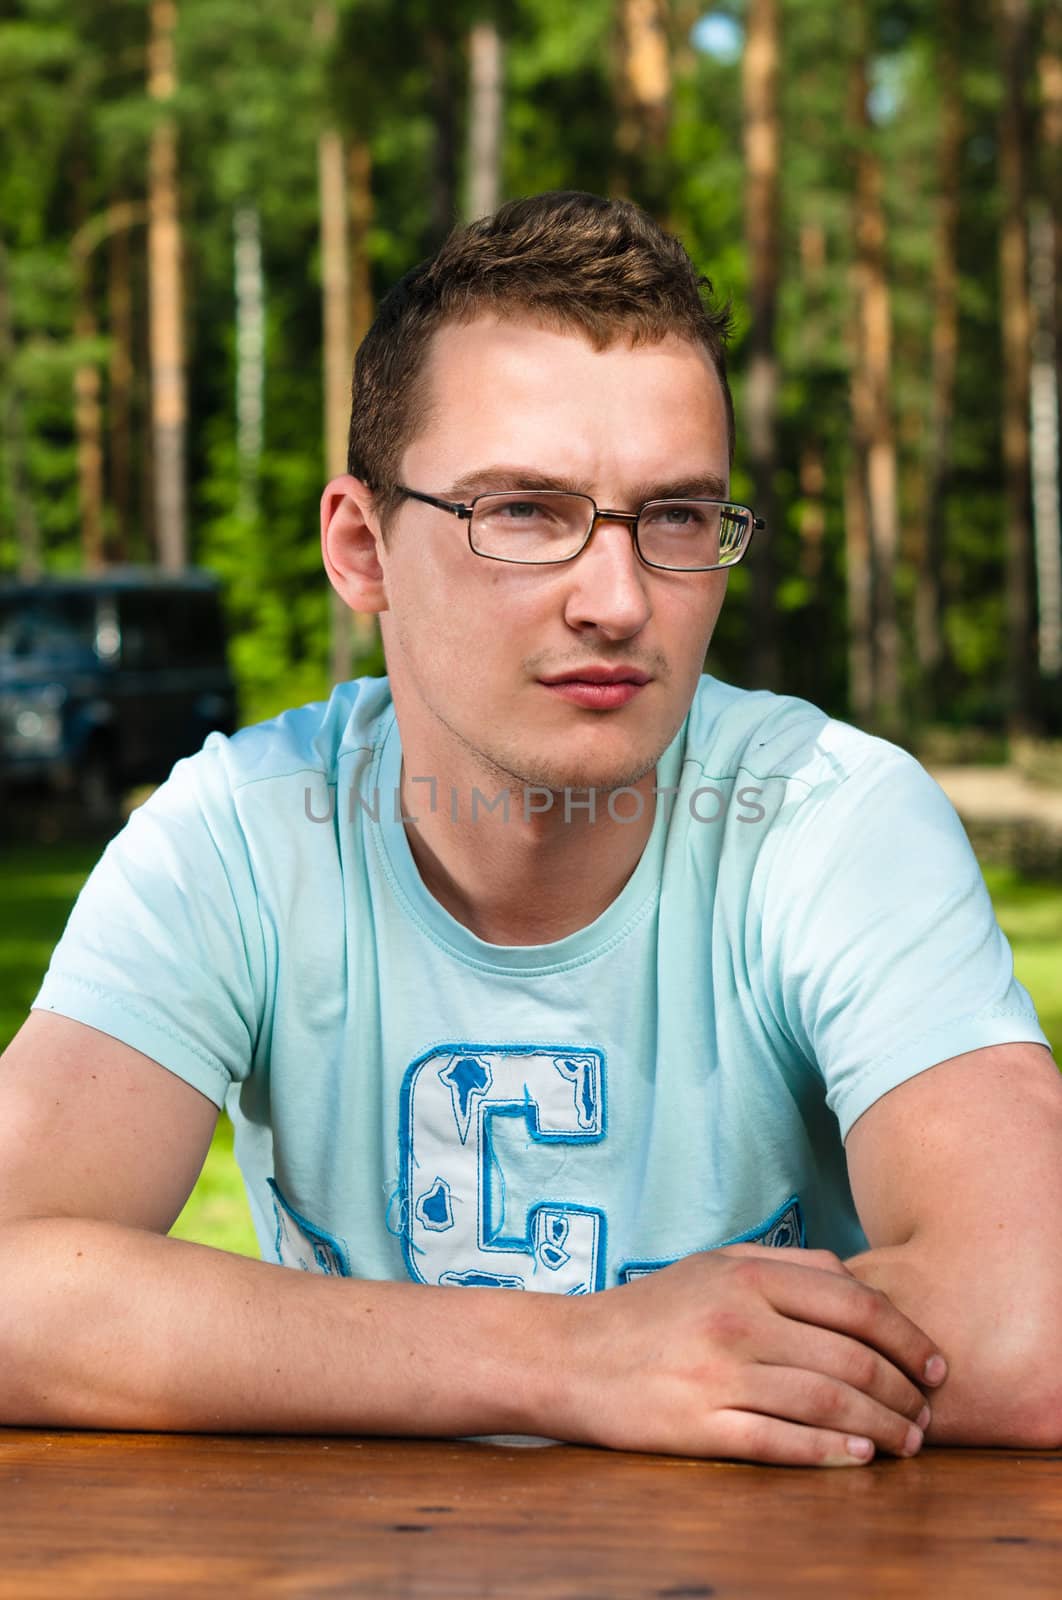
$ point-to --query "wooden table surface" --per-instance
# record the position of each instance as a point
(120, 1515)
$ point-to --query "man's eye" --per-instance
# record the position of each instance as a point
(676, 516)
(522, 513)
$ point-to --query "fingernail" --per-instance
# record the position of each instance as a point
(936, 1370)
(862, 1449)
(922, 1419)
(913, 1442)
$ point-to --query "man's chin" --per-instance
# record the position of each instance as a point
(581, 777)
(556, 764)
(603, 770)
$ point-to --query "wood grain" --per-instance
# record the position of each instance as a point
(114, 1515)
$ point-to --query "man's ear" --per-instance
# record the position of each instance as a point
(350, 544)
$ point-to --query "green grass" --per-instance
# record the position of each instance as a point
(1030, 914)
(38, 884)
(216, 1211)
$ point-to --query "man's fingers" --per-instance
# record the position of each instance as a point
(796, 1395)
(823, 1260)
(847, 1361)
(826, 1300)
(748, 1436)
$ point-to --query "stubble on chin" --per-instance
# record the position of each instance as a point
(518, 769)
(582, 778)
(497, 763)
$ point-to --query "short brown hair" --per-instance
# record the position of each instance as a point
(566, 259)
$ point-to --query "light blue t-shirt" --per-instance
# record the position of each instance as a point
(806, 928)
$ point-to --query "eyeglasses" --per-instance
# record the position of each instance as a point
(536, 527)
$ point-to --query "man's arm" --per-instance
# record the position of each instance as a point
(957, 1178)
(105, 1323)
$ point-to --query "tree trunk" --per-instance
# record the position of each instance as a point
(812, 470)
(1044, 447)
(13, 439)
(120, 386)
(858, 589)
(164, 276)
(1047, 356)
(87, 386)
(875, 435)
(359, 176)
(250, 353)
(643, 102)
(929, 596)
(1051, 149)
(443, 98)
(88, 418)
(858, 571)
(762, 148)
(335, 289)
(88, 424)
(359, 181)
(1013, 33)
(335, 308)
(812, 476)
(111, 226)
(685, 57)
(484, 120)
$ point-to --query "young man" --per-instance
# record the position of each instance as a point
(543, 964)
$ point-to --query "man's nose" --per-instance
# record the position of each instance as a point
(609, 589)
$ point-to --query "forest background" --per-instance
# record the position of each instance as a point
(202, 200)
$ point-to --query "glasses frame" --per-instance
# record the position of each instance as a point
(459, 508)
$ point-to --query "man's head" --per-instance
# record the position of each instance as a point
(560, 345)
(569, 261)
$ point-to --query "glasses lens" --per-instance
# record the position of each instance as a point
(693, 533)
(533, 526)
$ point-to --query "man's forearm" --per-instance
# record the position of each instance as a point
(106, 1326)
(994, 1309)
(103, 1326)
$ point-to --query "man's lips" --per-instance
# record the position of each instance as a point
(599, 675)
(598, 688)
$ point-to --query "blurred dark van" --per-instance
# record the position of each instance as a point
(106, 681)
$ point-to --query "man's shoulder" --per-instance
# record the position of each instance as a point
(312, 738)
(249, 773)
(732, 731)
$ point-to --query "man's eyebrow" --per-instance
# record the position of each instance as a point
(702, 486)
(488, 480)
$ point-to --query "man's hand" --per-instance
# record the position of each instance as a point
(765, 1355)
(756, 1354)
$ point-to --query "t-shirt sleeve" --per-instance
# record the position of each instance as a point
(163, 948)
(888, 954)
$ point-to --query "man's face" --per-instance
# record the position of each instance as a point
(470, 641)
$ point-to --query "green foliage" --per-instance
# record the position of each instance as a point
(257, 82)
(1030, 914)
(216, 1212)
(37, 888)
(559, 117)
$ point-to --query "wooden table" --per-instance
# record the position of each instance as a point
(114, 1515)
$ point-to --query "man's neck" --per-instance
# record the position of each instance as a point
(515, 878)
